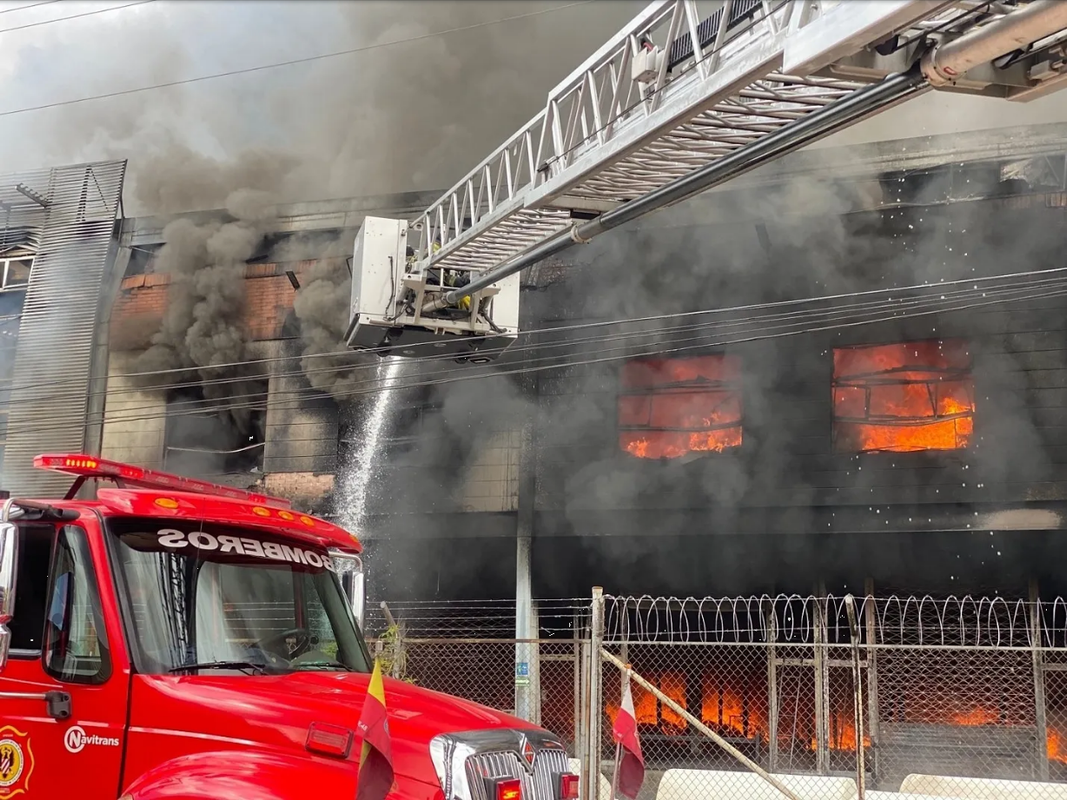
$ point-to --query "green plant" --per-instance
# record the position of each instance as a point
(391, 655)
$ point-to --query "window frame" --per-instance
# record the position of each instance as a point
(6, 262)
(23, 654)
(139, 661)
(80, 541)
(950, 375)
(732, 387)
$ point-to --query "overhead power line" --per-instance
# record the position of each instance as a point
(288, 63)
(72, 16)
(28, 6)
(1024, 278)
(898, 308)
(813, 324)
(629, 340)
(280, 404)
(793, 325)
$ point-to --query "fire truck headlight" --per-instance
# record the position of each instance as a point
(449, 758)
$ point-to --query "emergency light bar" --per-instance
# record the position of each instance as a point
(83, 467)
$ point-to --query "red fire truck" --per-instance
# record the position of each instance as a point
(177, 640)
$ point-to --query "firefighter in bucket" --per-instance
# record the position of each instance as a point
(452, 279)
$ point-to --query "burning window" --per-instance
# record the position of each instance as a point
(671, 407)
(903, 397)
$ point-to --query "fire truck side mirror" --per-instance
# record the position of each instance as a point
(350, 571)
(355, 588)
(9, 556)
(359, 597)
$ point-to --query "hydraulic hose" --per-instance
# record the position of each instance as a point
(1016, 31)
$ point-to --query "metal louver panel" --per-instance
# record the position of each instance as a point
(50, 385)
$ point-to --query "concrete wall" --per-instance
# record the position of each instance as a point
(301, 431)
(492, 481)
(135, 422)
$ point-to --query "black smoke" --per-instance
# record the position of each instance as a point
(199, 357)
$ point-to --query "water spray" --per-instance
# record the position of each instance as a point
(357, 476)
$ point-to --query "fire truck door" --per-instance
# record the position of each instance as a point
(63, 690)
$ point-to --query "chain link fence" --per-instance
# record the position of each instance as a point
(963, 698)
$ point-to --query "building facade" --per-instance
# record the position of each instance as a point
(769, 446)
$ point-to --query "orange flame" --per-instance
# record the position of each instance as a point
(648, 709)
(672, 684)
(843, 732)
(979, 715)
(903, 397)
(731, 713)
(671, 407)
(1054, 746)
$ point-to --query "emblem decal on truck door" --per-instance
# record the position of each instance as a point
(16, 762)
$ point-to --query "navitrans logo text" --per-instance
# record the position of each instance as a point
(76, 740)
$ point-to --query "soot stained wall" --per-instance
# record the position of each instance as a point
(909, 563)
(1019, 449)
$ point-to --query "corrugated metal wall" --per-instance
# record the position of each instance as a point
(51, 381)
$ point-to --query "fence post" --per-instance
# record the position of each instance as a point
(1040, 718)
(578, 655)
(772, 685)
(593, 711)
(527, 632)
(822, 681)
(872, 678)
(857, 701)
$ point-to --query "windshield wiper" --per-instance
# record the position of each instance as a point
(321, 665)
(256, 668)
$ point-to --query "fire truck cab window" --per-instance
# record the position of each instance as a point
(76, 648)
(245, 620)
(31, 591)
(273, 605)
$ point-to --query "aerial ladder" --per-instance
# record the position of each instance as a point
(685, 97)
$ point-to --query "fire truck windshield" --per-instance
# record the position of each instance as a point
(203, 597)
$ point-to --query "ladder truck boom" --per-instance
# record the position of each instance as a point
(687, 96)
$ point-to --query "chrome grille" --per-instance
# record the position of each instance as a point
(543, 784)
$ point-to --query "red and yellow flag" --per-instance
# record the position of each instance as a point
(376, 760)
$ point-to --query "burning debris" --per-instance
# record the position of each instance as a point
(904, 397)
(671, 407)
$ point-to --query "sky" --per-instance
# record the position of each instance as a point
(396, 117)
(413, 115)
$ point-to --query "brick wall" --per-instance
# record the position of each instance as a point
(143, 298)
(305, 489)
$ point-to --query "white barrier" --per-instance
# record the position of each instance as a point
(604, 788)
(982, 789)
(899, 796)
(685, 784)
